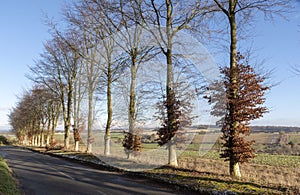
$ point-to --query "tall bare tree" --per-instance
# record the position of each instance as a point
(83, 17)
(136, 49)
(97, 14)
(168, 18)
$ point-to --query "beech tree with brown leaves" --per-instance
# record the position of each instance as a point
(238, 110)
(238, 13)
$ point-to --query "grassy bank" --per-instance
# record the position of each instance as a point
(7, 183)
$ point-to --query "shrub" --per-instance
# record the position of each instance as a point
(4, 140)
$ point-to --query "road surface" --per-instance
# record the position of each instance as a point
(42, 174)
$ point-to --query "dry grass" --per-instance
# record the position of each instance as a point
(265, 175)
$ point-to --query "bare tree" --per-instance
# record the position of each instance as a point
(136, 48)
(170, 17)
(82, 16)
(97, 13)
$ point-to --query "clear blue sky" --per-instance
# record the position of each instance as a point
(23, 31)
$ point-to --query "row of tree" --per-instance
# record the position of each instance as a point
(106, 45)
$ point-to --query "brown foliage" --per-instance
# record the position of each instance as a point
(242, 102)
(171, 122)
(132, 143)
(175, 113)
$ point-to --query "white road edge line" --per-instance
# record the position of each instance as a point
(102, 193)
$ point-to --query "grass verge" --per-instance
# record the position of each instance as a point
(8, 185)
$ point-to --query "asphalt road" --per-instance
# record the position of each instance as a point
(42, 174)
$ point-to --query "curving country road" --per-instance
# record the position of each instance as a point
(40, 174)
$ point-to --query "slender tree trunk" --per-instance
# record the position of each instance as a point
(42, 135)
(233, 165)
(76, 108)
(38, 140)
(48, 130)
(68, 116)
(67, 135)
(52, 139)
(55, 116)
(109, 114)
(90, 119)
(169, 85)
(131, 108)
(42, 140)
(65, 118)
(48, 140)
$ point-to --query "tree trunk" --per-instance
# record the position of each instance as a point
(48, 139)
(76, 146)
(42, 140)
(131, 108)
(66, 127)
(169, 84)
(172, 160)
(48, 130)
(67, 137)
(234, 169)
(90, 120)
(107, 144)
(35, 141)
(234, 166)
(68, 116)
(109, 115)
(38, 140)
(54, 118)
(52, 140)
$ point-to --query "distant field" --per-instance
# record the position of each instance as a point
(264, 142)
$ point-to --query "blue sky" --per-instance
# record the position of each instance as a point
(23, 31)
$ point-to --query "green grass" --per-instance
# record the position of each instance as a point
(277, 160)
(149, 146)
(263, 159)
(7, 183)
